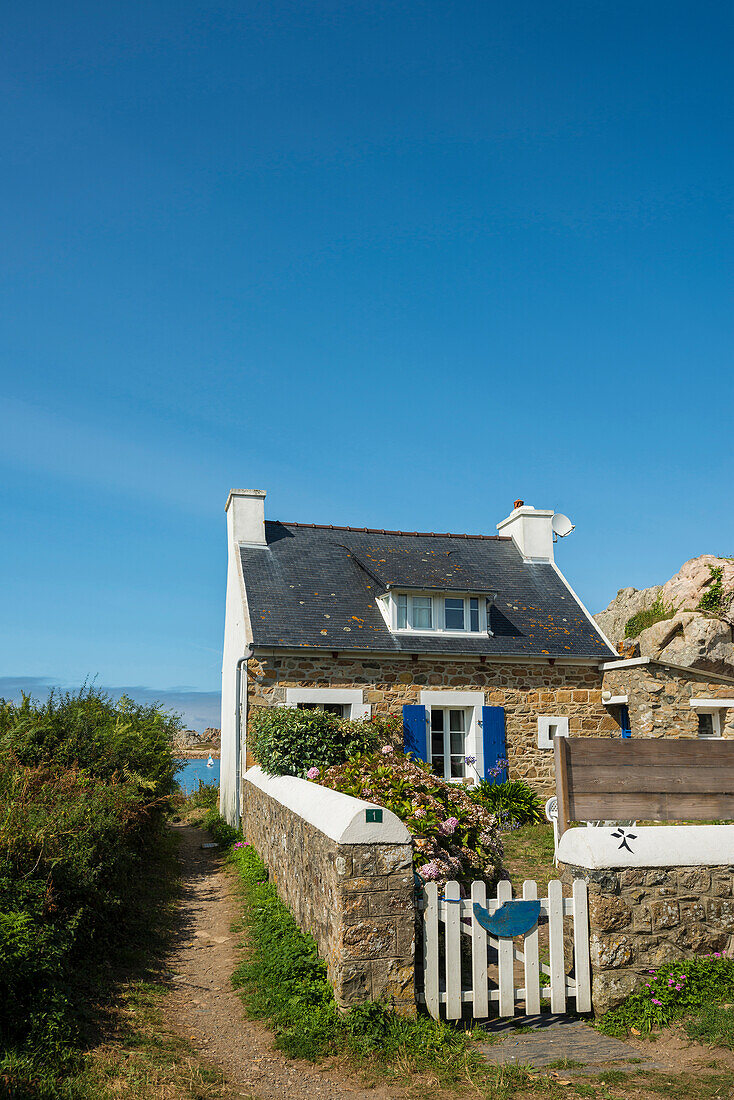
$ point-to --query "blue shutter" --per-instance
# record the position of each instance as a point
(493, 740)
(624, 720)
(414, 731)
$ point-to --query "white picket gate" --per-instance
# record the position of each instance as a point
(442, 984)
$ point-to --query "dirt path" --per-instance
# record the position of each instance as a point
(203, 1008)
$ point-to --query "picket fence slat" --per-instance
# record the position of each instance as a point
(430, 948)
(555, 946)
(480, 985)
(581, 958)
(532, 957)
(505, 959)
(443, 984)
(452, 924)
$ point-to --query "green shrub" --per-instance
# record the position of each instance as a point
(673, 991)
(514, 802)
(83, 784)
(657, 613)
(66, 855)
(288, 741)
(205, 797)
(715, 600)
(455, 837)
(87, 729)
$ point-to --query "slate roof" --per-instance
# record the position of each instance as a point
(316, 587)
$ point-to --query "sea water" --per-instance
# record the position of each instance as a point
(195, 771)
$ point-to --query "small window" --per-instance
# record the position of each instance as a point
(454, 613)
(342, 710)
(549, 728)
(474, 614)
(709, 724)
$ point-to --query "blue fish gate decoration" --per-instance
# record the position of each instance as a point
(514, 918)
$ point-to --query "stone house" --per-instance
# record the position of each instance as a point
(478, 641)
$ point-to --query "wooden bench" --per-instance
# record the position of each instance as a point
(647, 779)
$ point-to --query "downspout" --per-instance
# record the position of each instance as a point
(242, 663)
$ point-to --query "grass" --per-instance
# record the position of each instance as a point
(714, 1025)
(529, 854)
(126, 1050)
(657, 613)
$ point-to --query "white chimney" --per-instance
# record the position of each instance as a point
(531, 531)
(246, 517)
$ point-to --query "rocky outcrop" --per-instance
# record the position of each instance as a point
(695, 629)
(186, 739)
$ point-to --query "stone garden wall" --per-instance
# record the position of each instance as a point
(642, 917)
(347, 887)
(526, 691)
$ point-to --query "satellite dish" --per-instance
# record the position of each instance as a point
(561, 525)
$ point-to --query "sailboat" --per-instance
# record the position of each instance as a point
(210, 762)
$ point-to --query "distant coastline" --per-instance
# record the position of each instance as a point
(195, 754)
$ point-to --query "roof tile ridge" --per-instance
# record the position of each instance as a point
(385, 531)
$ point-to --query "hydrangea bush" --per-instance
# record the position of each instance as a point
(454, 837)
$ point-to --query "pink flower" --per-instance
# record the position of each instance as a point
(313, 773)
(386, 750)
(679, 987)
(655, 1001)
(717, 954)
(430, 871)
(420, 812)
(448, 827)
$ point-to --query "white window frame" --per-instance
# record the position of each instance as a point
(714, 707)
(545, 721)
(438, 616)
(471, 701)
(351, 697)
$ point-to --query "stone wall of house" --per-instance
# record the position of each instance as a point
(641, 918)
(525, 690)
(659, 699)
(356, 900)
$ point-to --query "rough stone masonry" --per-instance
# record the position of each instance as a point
(641, 918)
(356, 900)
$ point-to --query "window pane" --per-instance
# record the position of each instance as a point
(437, 743)
(335, 708)
(457, 743)
(454, 614)
(474, 613)
(437, 765)
(402, 612)
(706, 725)
(437, 719)
(457, 767)
(456, 720)
(309, 706)
(422, 613)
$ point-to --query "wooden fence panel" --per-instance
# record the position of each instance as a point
(457, 915)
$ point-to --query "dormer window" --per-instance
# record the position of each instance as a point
(423, 612)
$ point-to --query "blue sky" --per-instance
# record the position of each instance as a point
(396, 263)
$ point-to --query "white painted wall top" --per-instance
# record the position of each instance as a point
(245, 510)
(531, 531)
(337, 815)
(652, 846)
